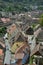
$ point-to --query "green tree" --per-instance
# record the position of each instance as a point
(31, 60)
(41, 20)
(2, 31)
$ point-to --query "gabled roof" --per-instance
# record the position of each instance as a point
(15, 46)
(38, 50)
(30, 31)
(1, 52)
(20, 38)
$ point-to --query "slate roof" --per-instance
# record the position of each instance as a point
(20, 38)
(30, 31)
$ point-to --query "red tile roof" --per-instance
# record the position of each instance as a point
(5, 20)
(1, 52)
(19, 56)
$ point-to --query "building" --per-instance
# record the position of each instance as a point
(19, 41)
(18, 47)
(38, 53)
(12, 32)
(1, 52)
(40, 36)
(5, 20)
(31, 37)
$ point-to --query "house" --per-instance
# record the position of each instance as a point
(12, 32)
(1, 52)
(29, 31)
(15, 46)
(38, 53)
(1, 56)
(19, 41)
(18, 47)
(5, 20)
(30, 37)
(19, 55)
(40, 36)
(38, 48)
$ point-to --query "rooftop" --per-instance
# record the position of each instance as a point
(38, 50)
(5, 20)
(40, 36)
(11, 29)
(1, 51)
(15, 46)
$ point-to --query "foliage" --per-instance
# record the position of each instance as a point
(31, 60)
(40, 8)
(41, 62)
(18, 5)
(41, 20)
(2, 31)
(33, 26)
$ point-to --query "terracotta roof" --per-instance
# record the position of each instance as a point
(1, 52)
(5, 20)
(2, 46)
(18, 47)
(19, 56)
(11, 29)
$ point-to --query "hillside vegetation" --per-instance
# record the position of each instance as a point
(20, 5)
